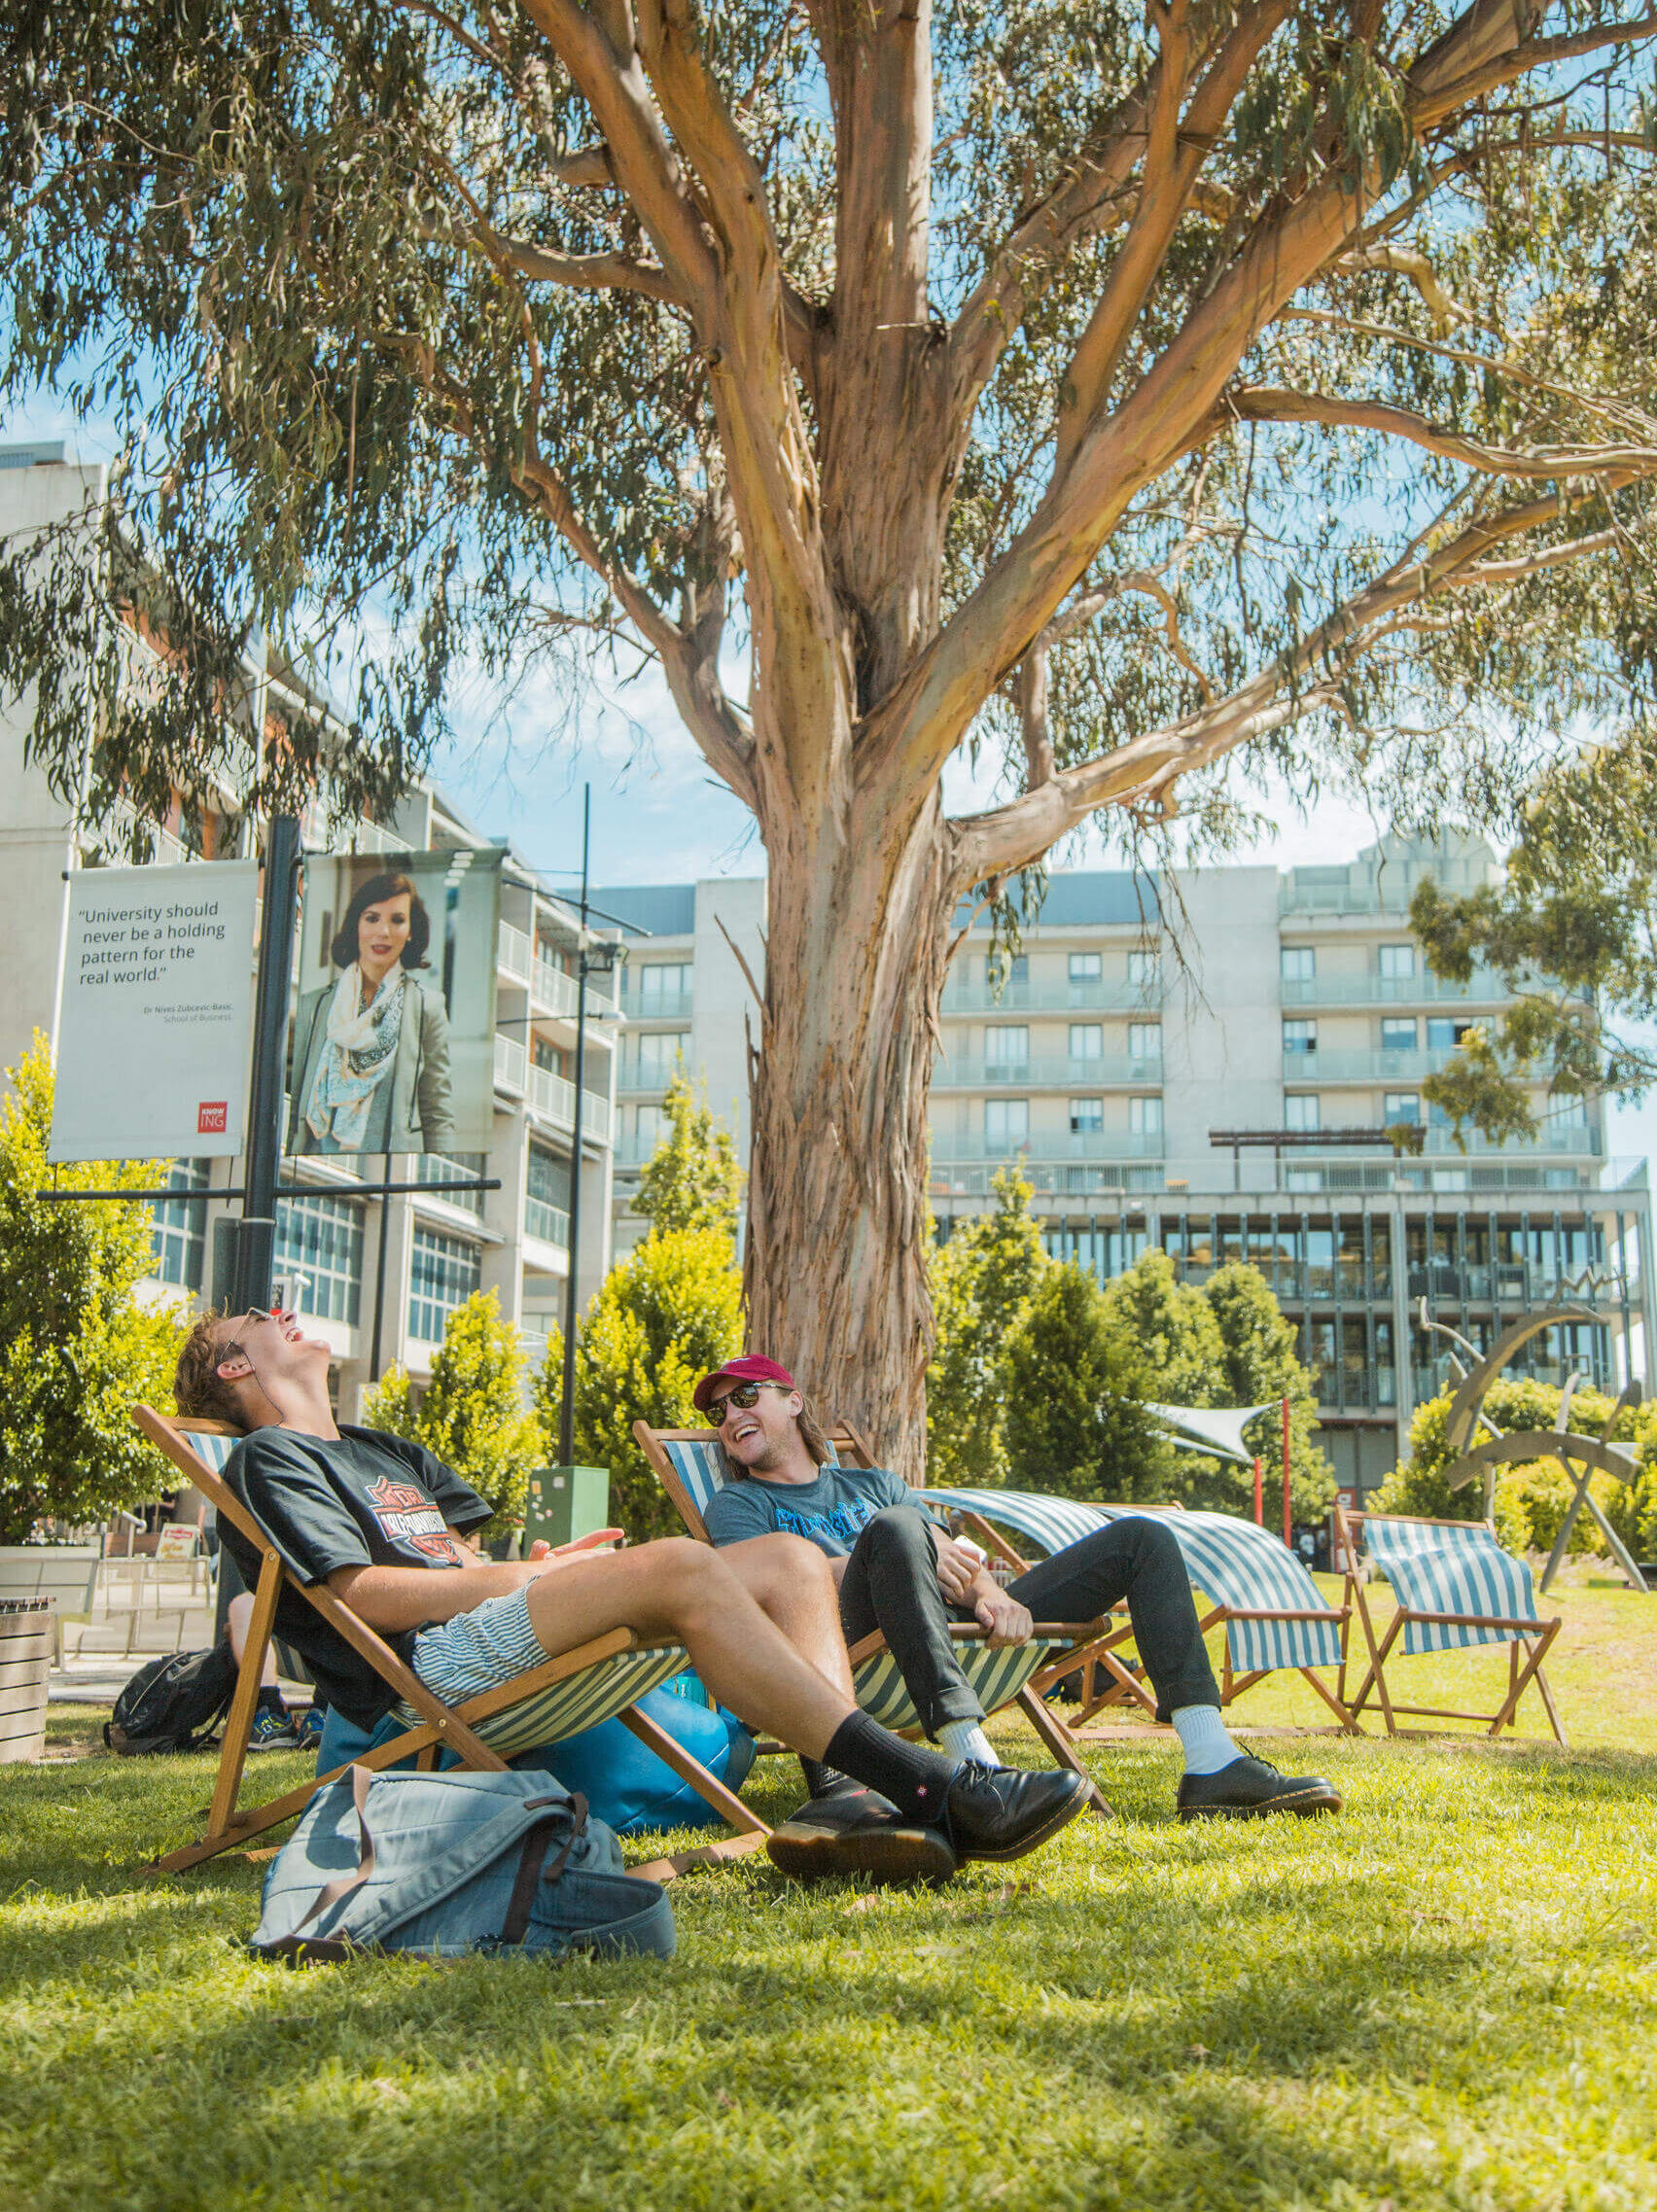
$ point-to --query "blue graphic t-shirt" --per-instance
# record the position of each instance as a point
(831, 1512)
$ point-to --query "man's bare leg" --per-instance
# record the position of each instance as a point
(803, 1603)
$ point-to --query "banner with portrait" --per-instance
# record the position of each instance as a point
(394, 1037)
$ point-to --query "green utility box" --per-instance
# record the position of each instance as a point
(566, 1503)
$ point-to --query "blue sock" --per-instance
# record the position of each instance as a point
(1204, 1737)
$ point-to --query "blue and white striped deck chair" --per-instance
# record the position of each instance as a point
(601, 1681)
(1455, 1588)
(1272, 1611)
(690, 1467)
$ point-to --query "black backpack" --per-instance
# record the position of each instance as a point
(173, 1703)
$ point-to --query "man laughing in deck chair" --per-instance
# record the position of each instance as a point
(900, 1573)
(378, 1519)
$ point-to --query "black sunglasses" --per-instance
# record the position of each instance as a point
(745, 1395)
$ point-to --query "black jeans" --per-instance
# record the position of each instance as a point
(891, 1584)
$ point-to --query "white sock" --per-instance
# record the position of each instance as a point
(1204, 1737)
(965, 1740)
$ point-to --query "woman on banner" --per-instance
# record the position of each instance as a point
(371, 1051)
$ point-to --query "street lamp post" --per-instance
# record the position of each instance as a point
(600, 962)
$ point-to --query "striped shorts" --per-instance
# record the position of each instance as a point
(479, 1650)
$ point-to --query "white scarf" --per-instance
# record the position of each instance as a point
(358, 1051)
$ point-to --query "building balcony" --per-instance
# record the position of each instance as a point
(553, 1099)
(514, 952)
(657, 1005)
(1044, 1073)
(550, 1223)
(1481, 989)
(634, 1151)
(512, 1066)
(1382, 1066)
(1059, 1145)
(1105, 994)
(643, 1080)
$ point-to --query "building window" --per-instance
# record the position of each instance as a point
(544, 1053)
(1141, 968)
(320, 1240)
(649, 1127)
(1398, 1033)
(1086, 1117)
(1145, 1116)
(1006, 1121)
(1145, 1040)
(446, 1272)
(1300, 1110)
(1087, 1041)
(1399, 962)
(664, 979)
(1299, 1038)
(655, 1052)
(1400, 1105)
(1086, 968)
(1298, 963)
(178, 1241)
(1007, 1044)
(1444, 1032)
(546, 1204)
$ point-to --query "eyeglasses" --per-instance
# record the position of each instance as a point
(745, 1395)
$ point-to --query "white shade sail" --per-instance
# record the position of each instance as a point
(1212, 1428)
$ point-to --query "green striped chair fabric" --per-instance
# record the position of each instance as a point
(998, 1676)
(1436, 1569)
(1233, 1563)
(579, 1702)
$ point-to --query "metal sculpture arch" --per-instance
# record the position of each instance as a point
(1581, 1456)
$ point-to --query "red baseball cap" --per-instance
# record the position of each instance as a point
(752, 1367)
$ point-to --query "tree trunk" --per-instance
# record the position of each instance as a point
(835, 1271)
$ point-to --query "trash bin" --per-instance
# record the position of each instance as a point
(25, 1667)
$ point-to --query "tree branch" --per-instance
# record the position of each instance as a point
(1268, 403)
(1408, 261)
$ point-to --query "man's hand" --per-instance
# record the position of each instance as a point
(1007, 1621)
(957, 1566)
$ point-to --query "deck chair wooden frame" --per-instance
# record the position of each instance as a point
(1089, 1641)
(440, 1727)
(1119, 1687)
(1534, 1637)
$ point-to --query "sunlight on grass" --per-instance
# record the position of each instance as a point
(1446, 1998)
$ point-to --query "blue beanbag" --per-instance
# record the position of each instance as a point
(625, 1785)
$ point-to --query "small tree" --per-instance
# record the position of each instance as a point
(1076, 1423)
(475, 1413)
(663, 1317)
(77, 1353)
(1258, 1361)
(982, 1282)
(691, 1179)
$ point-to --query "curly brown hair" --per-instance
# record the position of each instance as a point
(199, 1391)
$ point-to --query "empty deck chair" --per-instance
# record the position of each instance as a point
(599, 1681)
(1258, 1592)
(1456, 1588)
(690, 1468)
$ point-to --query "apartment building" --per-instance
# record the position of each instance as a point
(379, 1275)
(1140, 1021)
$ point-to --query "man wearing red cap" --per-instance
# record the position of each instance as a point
(898, 1572)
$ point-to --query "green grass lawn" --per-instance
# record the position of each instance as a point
(1447, 1997)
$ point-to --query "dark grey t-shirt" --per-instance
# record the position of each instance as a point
(831, 1512)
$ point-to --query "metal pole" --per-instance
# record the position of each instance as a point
(1260, 1493)
(256, 1232)
(567, 1395)
(1286, 1519)
(379, 1269)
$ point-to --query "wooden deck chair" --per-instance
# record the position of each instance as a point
(1455, 1587)
(690, 1468)
(1273, 1613)
(601, 1681)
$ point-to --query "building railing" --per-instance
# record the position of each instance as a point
(1107, 994)
(1481, 989)
(1443, 1283)
(1052, 1071)
(1058, 1144)
(550, 1223)
(513, 952)
(1388, 893)
(1403, 1064)
(512, 1064)
(634, 1151)
(655, 1006)
(553, 1098)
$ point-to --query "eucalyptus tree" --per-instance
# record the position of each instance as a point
(1108, 395)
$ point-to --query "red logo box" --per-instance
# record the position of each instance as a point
(211, 1117)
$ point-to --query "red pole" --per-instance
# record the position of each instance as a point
(1286, 1519)
(1259, 1495)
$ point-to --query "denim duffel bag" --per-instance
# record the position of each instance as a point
(441, 1865)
